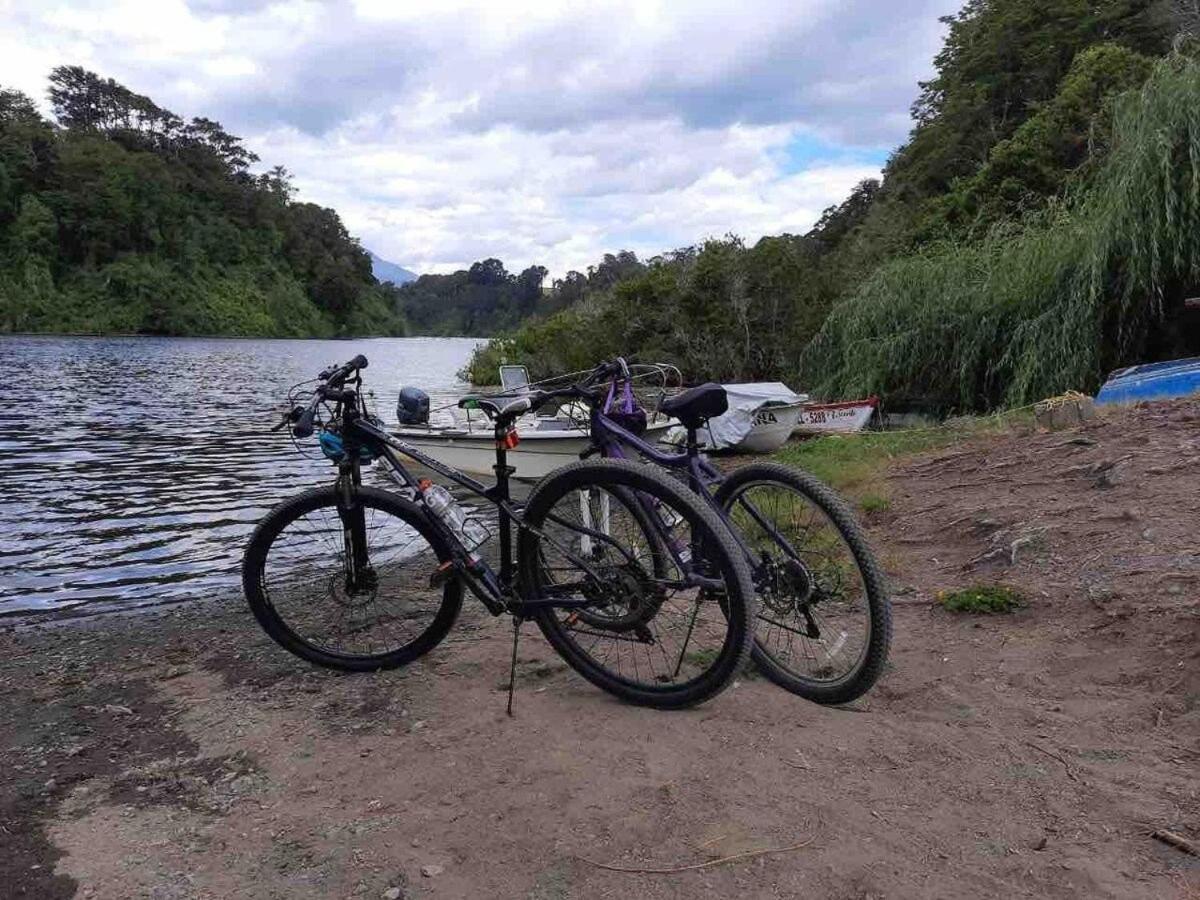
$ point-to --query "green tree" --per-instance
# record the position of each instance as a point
(127, 217)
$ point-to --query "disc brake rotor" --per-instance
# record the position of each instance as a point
(354, 597)
(786, 587)
(627, 599)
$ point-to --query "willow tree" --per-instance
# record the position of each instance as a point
(1050, 303)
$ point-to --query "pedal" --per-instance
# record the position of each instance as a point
(443, 573)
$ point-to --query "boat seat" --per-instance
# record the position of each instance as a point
(696, 405)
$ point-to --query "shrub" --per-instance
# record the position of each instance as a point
(993, 598)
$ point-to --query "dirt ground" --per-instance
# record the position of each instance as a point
(180, 754)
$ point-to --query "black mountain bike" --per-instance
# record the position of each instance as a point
(637, 585)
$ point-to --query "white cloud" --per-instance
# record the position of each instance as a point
(561, 200)
(538, 132)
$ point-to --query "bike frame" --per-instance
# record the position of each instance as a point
(497, 591)
(611, 441)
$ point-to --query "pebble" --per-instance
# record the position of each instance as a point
(431, 871)
(393, 893)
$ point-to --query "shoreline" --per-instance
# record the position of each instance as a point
(178, 752)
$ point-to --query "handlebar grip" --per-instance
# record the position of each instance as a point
(597, 374)
(304, 425)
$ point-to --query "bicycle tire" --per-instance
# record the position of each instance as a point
(871, 665)
(738, 601)
(277, 626)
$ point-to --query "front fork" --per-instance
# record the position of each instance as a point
(357, 565)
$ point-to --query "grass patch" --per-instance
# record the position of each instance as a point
(857, 464)
(984, 598)
(702, 658)
(873, 503)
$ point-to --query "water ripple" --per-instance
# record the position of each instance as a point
(133, 469)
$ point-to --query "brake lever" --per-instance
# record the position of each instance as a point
(288, 417)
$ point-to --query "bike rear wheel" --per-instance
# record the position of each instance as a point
(824, 620)
(295, 579)
(644, 633)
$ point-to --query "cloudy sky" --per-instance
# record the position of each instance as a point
(548, 132)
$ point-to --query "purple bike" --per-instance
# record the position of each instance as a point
(824, 620)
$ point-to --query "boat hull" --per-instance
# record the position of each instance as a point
(773, 425)
(537, 455)
(836, 418)
(1155, 381)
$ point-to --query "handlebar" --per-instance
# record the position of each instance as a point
(334, 377)
(581, 390)
(605, 370)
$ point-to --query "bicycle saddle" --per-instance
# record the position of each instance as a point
(498, 408)
(696, 405)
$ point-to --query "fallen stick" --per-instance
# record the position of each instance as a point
(674, 870)
(1066, 765)
(1177, 841)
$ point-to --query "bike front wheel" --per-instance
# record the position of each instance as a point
(824, 619)
(381, 613)
(605, 557)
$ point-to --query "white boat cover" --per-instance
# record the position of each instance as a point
(745, 400)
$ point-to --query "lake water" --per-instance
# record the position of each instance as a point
(133, 469)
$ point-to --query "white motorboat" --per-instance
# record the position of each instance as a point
(474, 450)
(546, 441)
(543, 446)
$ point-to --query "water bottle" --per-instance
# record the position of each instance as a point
(679, 543)
(443, 505)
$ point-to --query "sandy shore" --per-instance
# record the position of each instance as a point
(178, 753)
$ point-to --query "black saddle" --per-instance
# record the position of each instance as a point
(696, 405)
(502, 409)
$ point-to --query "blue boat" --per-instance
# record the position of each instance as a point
(1153, 381)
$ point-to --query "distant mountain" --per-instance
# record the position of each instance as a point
(389, 271)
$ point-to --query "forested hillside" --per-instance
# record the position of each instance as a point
(1040, 227)
(123, 217)
(487, 298)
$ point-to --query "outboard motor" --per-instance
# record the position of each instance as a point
(413, 407)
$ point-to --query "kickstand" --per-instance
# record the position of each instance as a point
(512, 672)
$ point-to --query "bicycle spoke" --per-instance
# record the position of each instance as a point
(643, 624)
(804, 570)
(304, 579)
